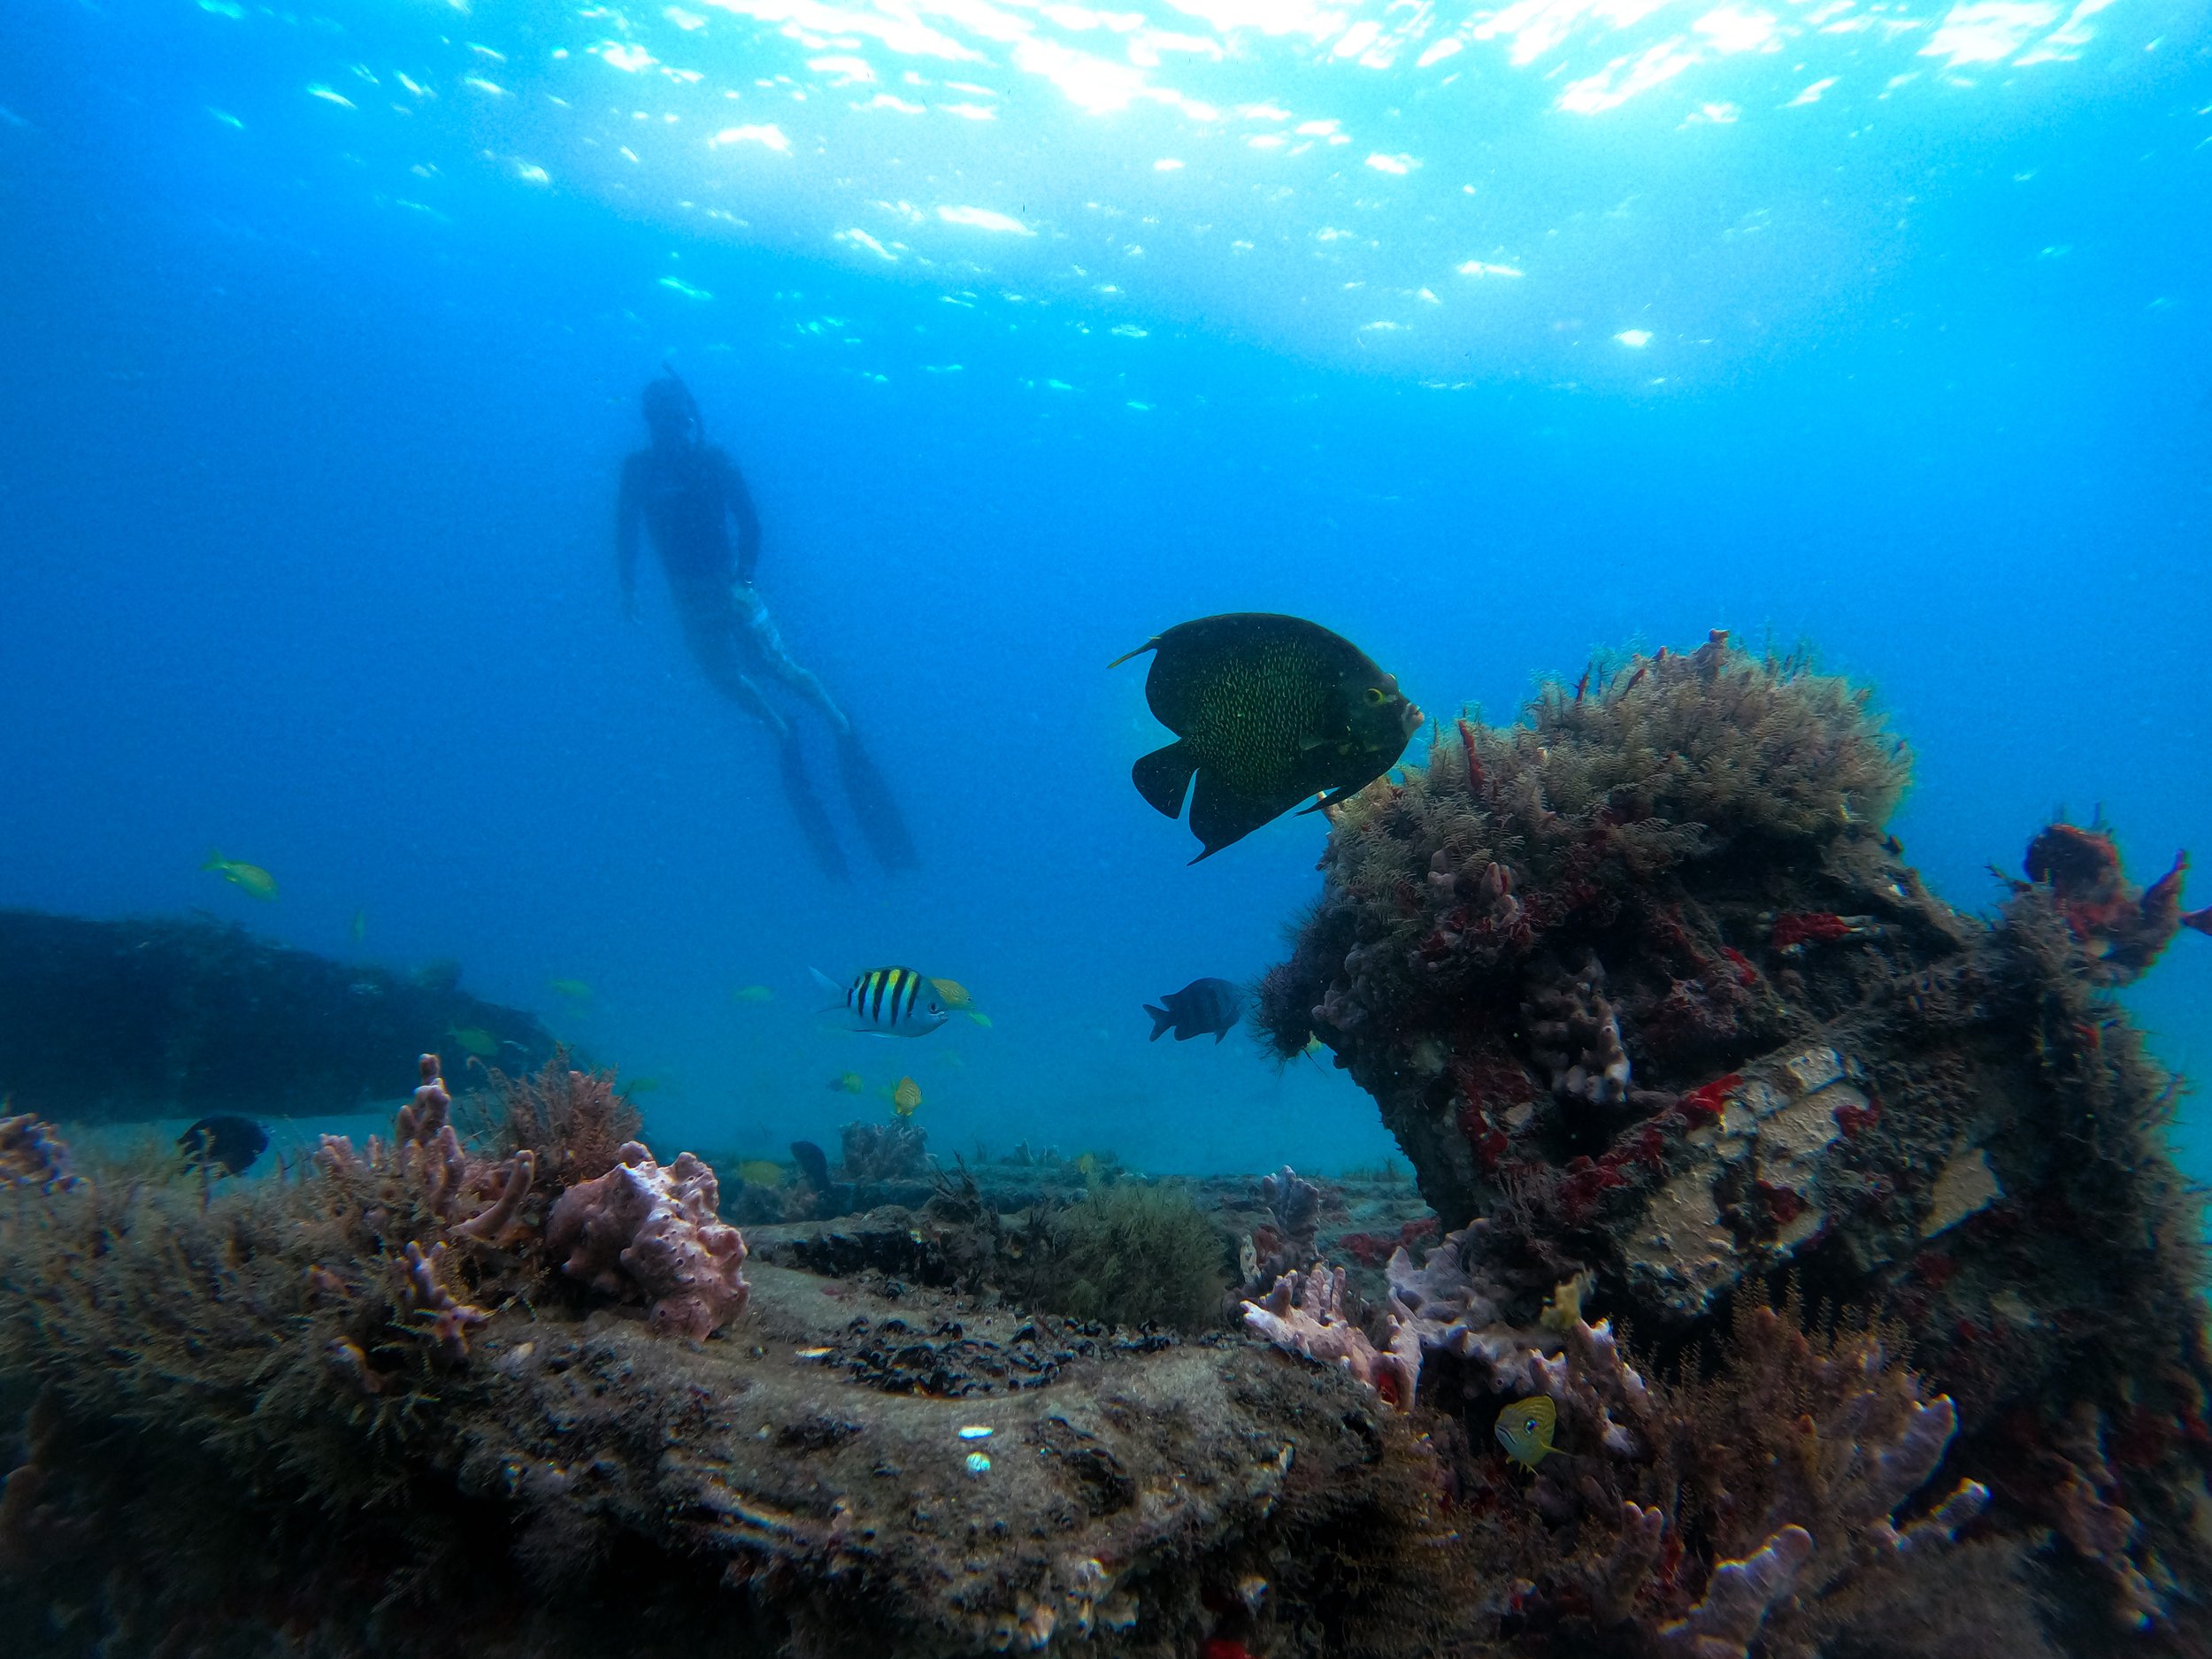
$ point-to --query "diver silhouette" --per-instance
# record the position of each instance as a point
(686, 492)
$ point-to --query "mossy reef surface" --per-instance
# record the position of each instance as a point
(1821, 1238)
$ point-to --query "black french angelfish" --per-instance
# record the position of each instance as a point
(1270, 711)
(1202, 1006)
(227, 1139)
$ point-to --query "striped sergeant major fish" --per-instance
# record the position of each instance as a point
(889, 1001)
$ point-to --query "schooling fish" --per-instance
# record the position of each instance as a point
(1202, 1006)
(575, 990)
(249, 877)
(906, 1097)
(846, 1083)
(752, 994)
(761, 1172)
(889, 1001)
(1525, 1429)
(1268, 711)
(955, 995)
(227, 1140)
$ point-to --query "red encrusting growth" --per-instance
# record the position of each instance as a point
(1703, 1104)
(1809, 927)
(1852, 1120)
(1783, 1204)
(1474, 760)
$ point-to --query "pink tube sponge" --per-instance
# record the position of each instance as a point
(641, 1228)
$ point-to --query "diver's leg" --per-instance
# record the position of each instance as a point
(766, 644)
(714, 642)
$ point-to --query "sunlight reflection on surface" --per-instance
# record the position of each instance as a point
(1306, 163)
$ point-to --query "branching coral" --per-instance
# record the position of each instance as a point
(2121, 929)
(1309, 1314)
(653, 1232)
(31, 1155)
(575, 1122)
(1573, 1035)
(883, 1152)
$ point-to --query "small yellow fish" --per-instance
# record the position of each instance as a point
(1087, 1166)
(906, 1097)
(642, 1086)
(1565, 1309)
(360, 928)
(475, 1039)
(953, 993)
(983, 1020)
(575, 990)
(1314, 1046)
(761, 1172)
(952, 1060)
(249, 878)
(1525, 1429)
(848, 1083)
(752, 994)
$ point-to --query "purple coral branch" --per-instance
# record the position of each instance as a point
(491, 1224)
(1738, 1598)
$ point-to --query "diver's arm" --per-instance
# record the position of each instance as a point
(629, 515)
(741, 502)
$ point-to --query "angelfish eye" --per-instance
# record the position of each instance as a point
(1375, 698)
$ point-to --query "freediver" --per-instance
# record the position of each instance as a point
(686, 492)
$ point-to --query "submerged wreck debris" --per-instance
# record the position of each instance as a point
(1645, 991)
(116, 1021)
(414, 1390)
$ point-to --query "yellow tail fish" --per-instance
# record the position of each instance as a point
(249, 878)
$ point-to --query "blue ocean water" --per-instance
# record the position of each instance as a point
(1488, 336)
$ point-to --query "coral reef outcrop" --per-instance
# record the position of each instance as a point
(1657, 1009)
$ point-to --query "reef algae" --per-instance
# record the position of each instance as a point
(1646, 994)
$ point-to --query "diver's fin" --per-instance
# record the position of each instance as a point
(807, 808)
(1164, 777)
(1161, 1020)
(1140, 651)
(879, 814)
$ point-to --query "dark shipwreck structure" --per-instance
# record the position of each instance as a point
(103, 1021)
(1807, 1275)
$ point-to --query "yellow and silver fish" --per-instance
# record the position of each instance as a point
(752, 994)
(889, 1002)
(846, 1083)
(249, 877)
(1525, 1429)
(475, 1039)
(906, 1097)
